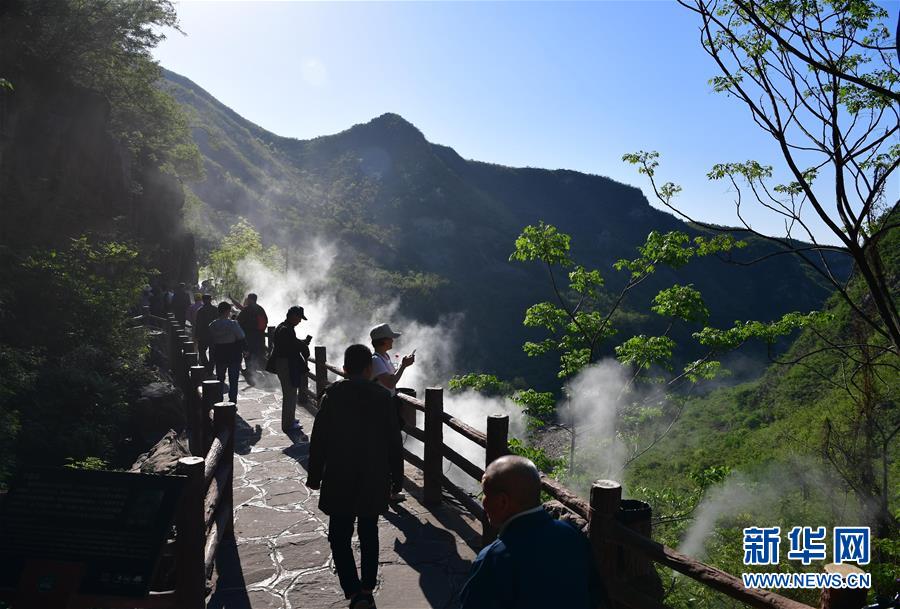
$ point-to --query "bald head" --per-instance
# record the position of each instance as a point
(516, 477)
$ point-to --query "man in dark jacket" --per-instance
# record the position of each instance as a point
(288, 361)
(350, 451)
(205, 316)
(253, 321)
(531, 549)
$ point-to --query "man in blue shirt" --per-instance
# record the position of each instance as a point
(536, 561)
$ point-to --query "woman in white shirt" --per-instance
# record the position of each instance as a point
(387, 375)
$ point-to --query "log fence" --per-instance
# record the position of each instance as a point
(206, 513)
(619, 530)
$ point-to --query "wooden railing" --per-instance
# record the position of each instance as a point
(625, 552)
(205, 515)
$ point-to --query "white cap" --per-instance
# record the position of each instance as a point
(382, 331)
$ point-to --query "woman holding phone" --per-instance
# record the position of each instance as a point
(385, 374)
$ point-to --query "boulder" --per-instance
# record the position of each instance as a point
(159, 409)
(163, 457)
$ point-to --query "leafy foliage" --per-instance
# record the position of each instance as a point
(243, 243)
(71, 366)
(106, 47)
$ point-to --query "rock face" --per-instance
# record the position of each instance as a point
(63, 175)
(159, 409)
(163, 457)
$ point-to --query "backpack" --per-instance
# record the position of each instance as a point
(262, 321)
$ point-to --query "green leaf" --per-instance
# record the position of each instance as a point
(543, 243)
(681, 302)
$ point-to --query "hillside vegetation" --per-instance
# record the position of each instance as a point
(813, 441)
(415, 220)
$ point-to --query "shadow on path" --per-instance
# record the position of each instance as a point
(231, 590)
(432, 553)
(245, 436)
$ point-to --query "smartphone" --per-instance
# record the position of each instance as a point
(308, 337)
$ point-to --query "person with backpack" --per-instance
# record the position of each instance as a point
(228, 343)
(253, 321)
(204, 316)
(288, 361)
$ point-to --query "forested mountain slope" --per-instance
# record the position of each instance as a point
(443, 226)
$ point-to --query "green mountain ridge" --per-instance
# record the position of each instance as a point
(391, 199)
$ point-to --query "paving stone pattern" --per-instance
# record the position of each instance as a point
(280, 558)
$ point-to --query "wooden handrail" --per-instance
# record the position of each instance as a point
(414, 402)
(607, 535)
(219, 527)
(418, 434)
(464, 429)
(566, 497)
(462, 463)
(215, 493)
(698, 571)
(216, 450)
(460, 495)
(206, 514)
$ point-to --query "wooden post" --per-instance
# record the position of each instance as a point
(194, 411)
(434, 444)
(191, 534)
(407, 414)
(321, 371)
(636, 570)
(172, 334)
(186, 349)
(145, 312)
(497, 438)
(211, 391)
(497, 446)
(223, 418)
(843, 598)
(606, 495)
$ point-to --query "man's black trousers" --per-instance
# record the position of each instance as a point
(340, 532)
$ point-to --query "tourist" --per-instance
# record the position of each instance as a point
(288, 361)
(158, 301)
(204, 316)
(228, 343)
(179, 303)
(254, 321)
(531, 549)
(387, 375)
(352, 445)
(192, 310)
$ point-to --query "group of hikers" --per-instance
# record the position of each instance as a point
(223, 342)
(356, 464)
(536, 562)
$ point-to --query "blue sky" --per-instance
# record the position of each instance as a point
(555, 85)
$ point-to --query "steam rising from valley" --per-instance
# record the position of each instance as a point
(593, 402)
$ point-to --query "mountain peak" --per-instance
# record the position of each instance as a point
(394, 121)
(392, 127)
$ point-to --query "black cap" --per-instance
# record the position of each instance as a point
(296, 310)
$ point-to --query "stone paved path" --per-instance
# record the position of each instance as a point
(281, 558)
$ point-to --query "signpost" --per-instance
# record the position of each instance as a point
(69, 531)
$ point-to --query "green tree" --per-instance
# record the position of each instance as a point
(242, 243)
(105, 46)
(822, 79)
(581, 319)
(71, 364)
